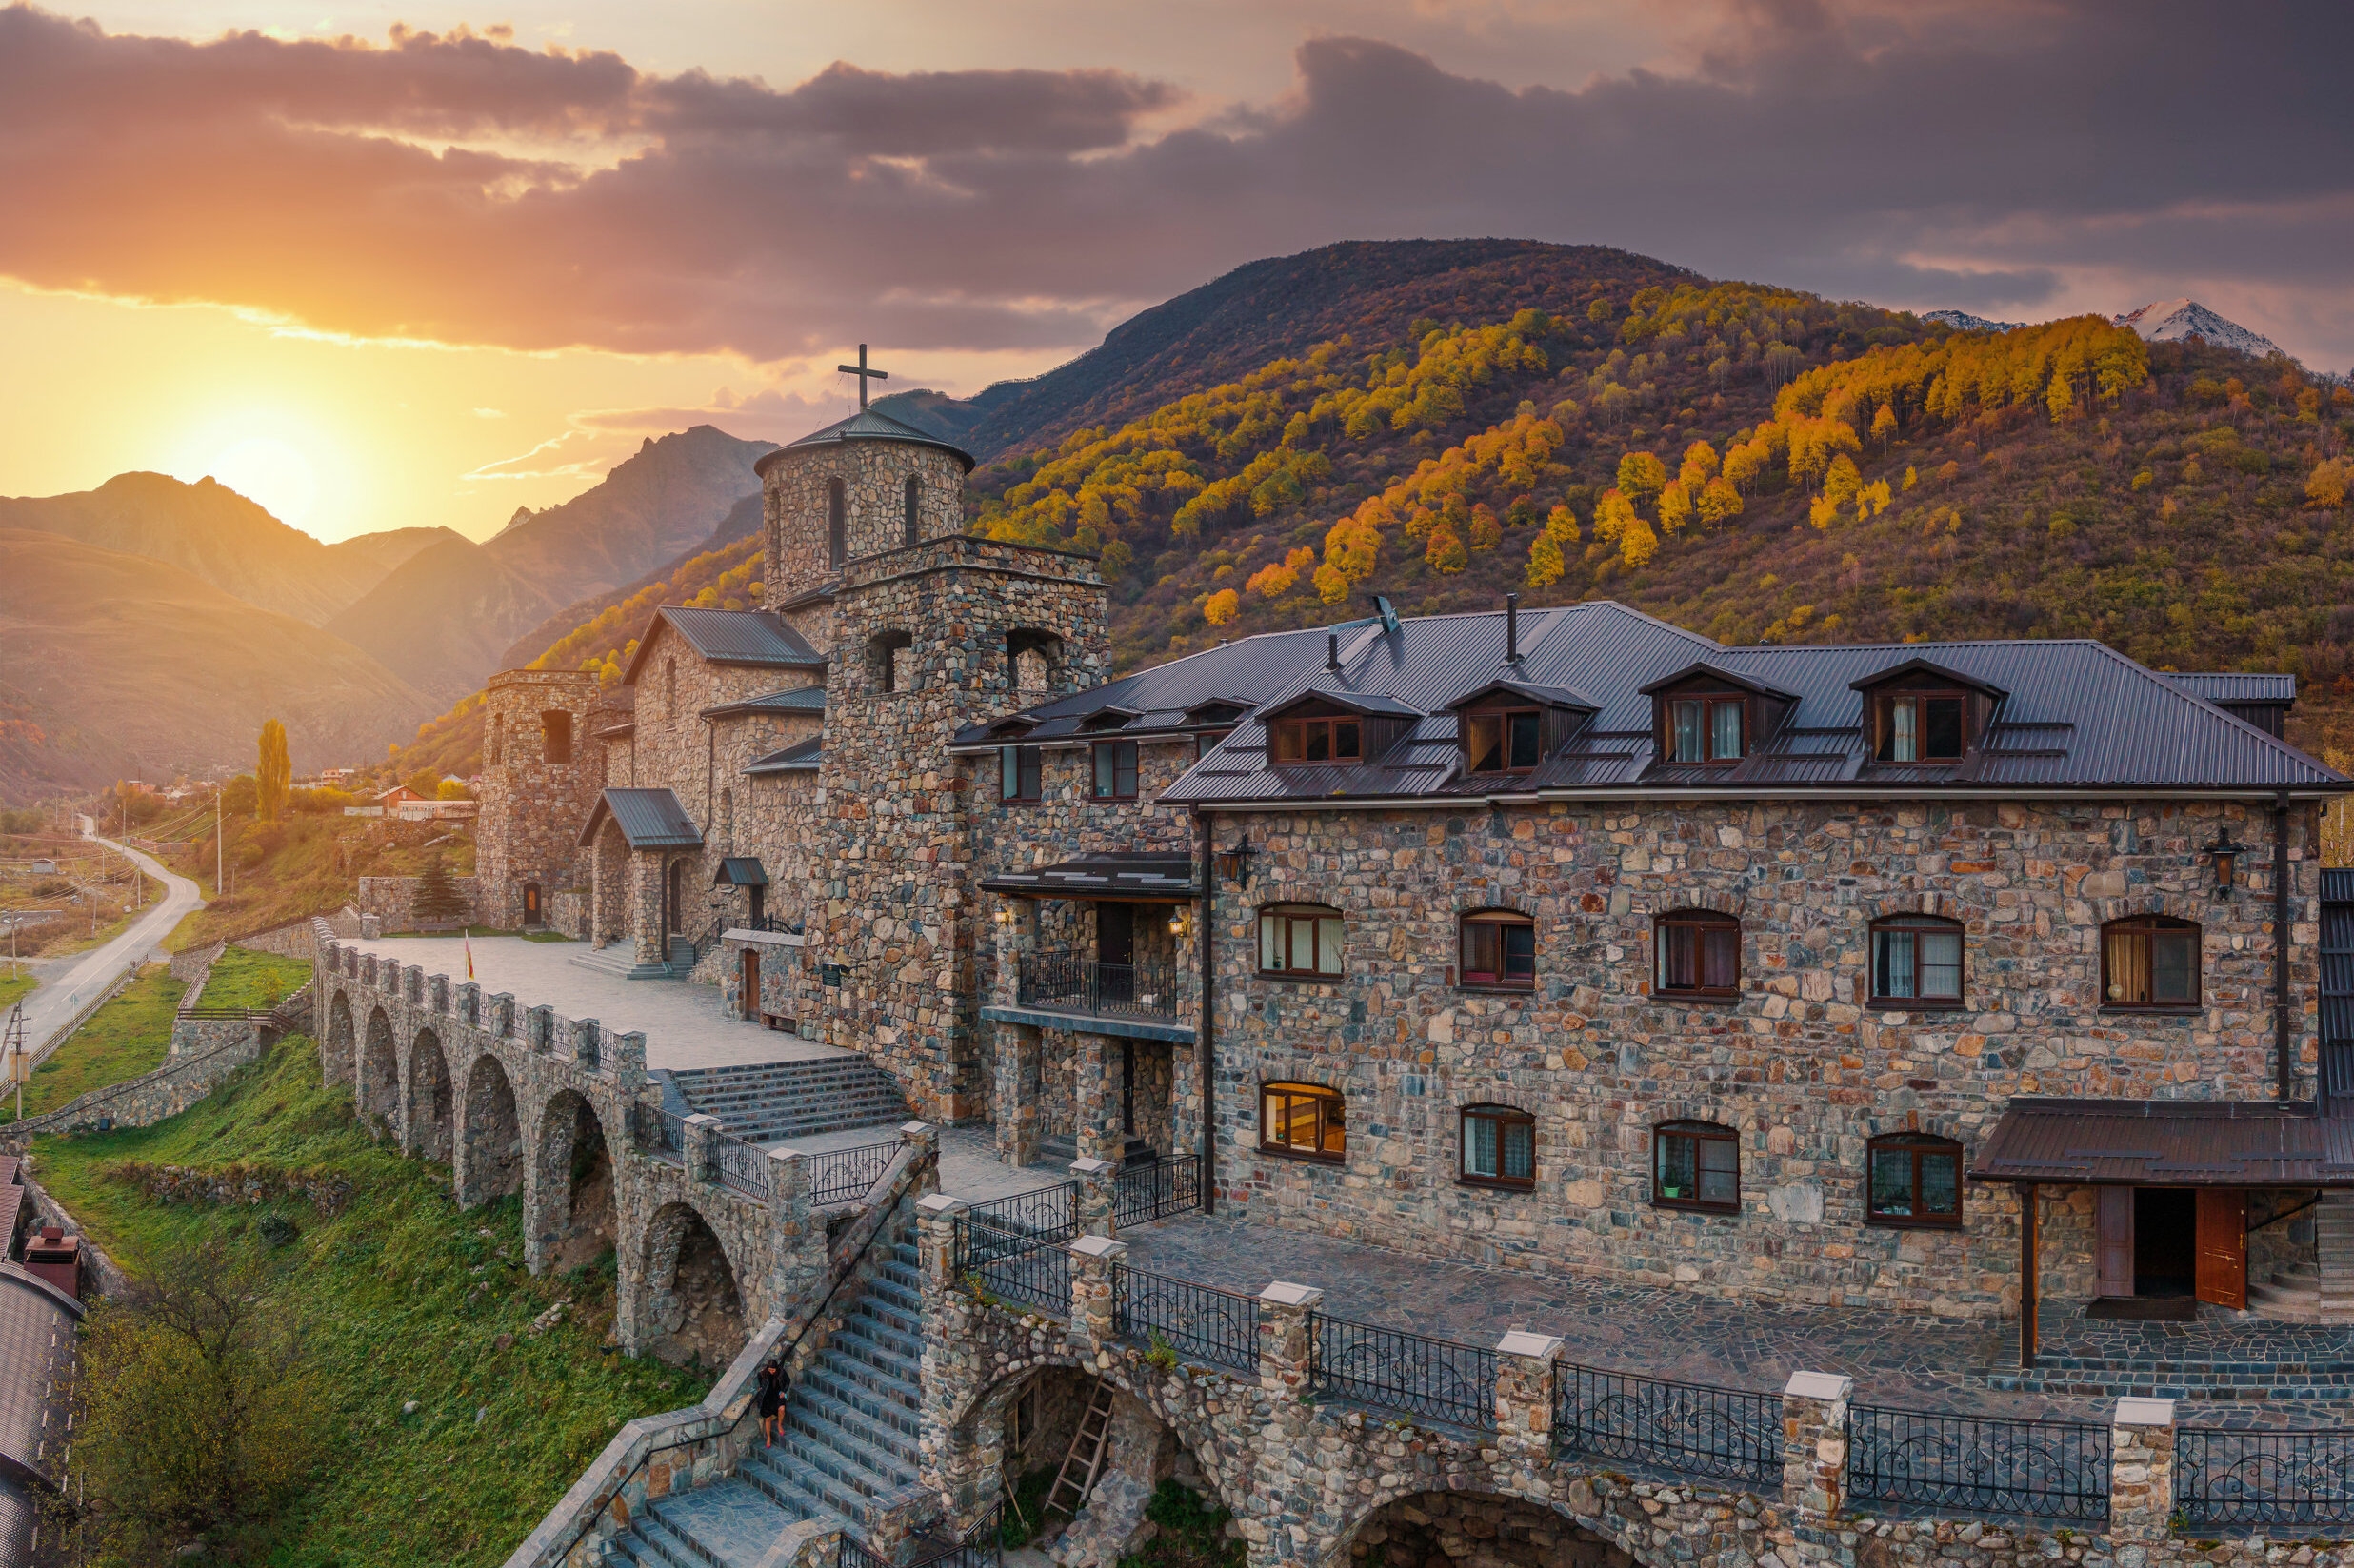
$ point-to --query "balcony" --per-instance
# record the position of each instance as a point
(1069, 982)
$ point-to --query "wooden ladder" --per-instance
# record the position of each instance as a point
(1086, 1452)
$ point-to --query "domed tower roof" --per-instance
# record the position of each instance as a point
(867, 425)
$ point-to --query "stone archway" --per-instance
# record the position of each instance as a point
(379, 1087)
(1474, 1530)
(694, 1311)
(489, 1138)
(339, 1037)
(577, 1220)
(430, 1132)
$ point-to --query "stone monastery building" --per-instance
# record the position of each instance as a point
(1560, 940)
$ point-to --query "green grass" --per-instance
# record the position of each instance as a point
(126, 1037)
(13, 988)
(401, 1297)
(245, 977)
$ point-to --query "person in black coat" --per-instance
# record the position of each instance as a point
(770, 1396)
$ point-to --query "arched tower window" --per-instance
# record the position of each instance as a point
(890, 661)
(837, 521)
(914, 504)
(556, 735)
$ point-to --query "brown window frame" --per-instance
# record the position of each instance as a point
(1331, 1118)
(1697, 1133)
(1025, 764)
(1917, 1144)
(1331, 727)
(1706, 919)
(1883, 719)
(1313, 915)
(1501, 977)
(1506, 746)
(1504, 1117)
(1710, 701)
(2148, 927)
(1204, 741)
(1095, 770)
(1919, 1001)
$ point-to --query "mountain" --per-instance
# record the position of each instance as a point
(742, 522)
(446, 618)
(1371, 289)
(1961, 320)
(2175, 321)
(213, 532)
(120, 666)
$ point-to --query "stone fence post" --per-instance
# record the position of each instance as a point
(628, 1063)
(469, 1003)
(935, 1223)
(1286, 1353)
(922, 1144)
(1017, 937)
(701, 1130)
(540, 1024)
(437, 994)
(1525, 1375)
(1098, 1195)
(1814, 1445)
(797, 1236)
(588, 1039)
(2141, 1470)
(1095, 1307)
(503, 1015)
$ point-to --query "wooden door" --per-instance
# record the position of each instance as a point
(2113, 1232)
(1115, 934)
(2222, 1247)
(531, 904)
(752, 984)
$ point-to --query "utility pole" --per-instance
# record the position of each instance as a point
(14, 1049)
(218, 858)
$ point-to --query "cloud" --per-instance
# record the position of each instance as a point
(461, 187)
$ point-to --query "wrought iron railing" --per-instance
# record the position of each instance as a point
(1394, 1370)
(659, 1133)
(1687, 1427)
(1027, 1270)
(2264, 1477)
(1198, 1322)
(839, 1175)
(739, 1166)
(980, 1547)
(1980, 1464)
(1069, 981)
(1050, 1214)
(1158, 1190)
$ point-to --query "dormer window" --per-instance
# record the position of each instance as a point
(1921, 726)
(1316, 741)
(1501, 739)
(1708, 730)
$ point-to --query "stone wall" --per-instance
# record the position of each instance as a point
(1799, 1065)
(533, 807)
(214, 1049)
(391, 900)
(875, 474)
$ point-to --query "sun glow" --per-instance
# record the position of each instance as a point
(271, 473)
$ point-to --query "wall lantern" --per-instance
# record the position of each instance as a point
(1233, 865)
(2224, 854)
(1004, 914)
(1180, 919)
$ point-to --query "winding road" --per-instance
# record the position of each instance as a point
(67, 984)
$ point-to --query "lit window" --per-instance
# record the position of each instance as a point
(1916, 958)
(1698, 953)
(1299, 939)
(1305, 1120)
(1706, 729)
(1499, 1147)
(1115, 770)
(2150, 962)
(1499, 948)
(1317, 740)
(1915, 1180)
(1501, 742)
(1919, 728)
(1020, 772)
(1695, 1165)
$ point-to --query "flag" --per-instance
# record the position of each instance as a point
(469, 940)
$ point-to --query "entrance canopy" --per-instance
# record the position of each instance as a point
(648, 819)
(2168, 1144)
(1151, 879)
(740, 871)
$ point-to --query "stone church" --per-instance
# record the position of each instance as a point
(1560, 940)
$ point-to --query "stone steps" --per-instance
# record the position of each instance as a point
(730, 1523)
(775, 1100)
(1063, 1148)
(621, 959)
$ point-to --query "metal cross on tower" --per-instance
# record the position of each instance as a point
(863, 375)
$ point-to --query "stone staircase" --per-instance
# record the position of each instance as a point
(849, 1449)
(2322, 1292)
(620, 959)
(771, 1100)
(1062, 1149)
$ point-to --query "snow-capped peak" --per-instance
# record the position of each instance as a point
(2172, 321)
(1961, 320)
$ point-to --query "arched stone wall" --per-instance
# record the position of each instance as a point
(379, 1084)
(490, 1155)
(426, 1130)
(336, 1061)
(1475, 1530)
(570, 1194)
(694, 1302)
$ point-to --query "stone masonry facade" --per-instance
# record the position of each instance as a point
(541, 770)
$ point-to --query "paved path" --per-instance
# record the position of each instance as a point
(68, 983)
(683, 1022)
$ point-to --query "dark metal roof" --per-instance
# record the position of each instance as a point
(1372, 704)
(2236, 687)
(730, 637)
(1553, 696)
(2166, 1142)
(1714, 669)
(36, 1360)
(2338, 958)
(1928, 668)
(867, 425)
(648, 819)
(740, 871)
(1150, 876)
(801, 757)
(796, 700)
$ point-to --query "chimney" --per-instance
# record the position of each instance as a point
(1332, 650)
(1512, 628)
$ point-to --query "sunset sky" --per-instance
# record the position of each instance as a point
(388, 264)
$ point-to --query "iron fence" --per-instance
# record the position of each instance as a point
(979, 1547)
(1081, 984)
(1026, 1270)
(1394, 1370)
(2264, 1477)
(1200, 1322)
(1724, 1432)
(739, 1166)
(659, 1133)
(838, 1175)
(1045, 1214)
(1155, 1191)
(1982, 1464)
